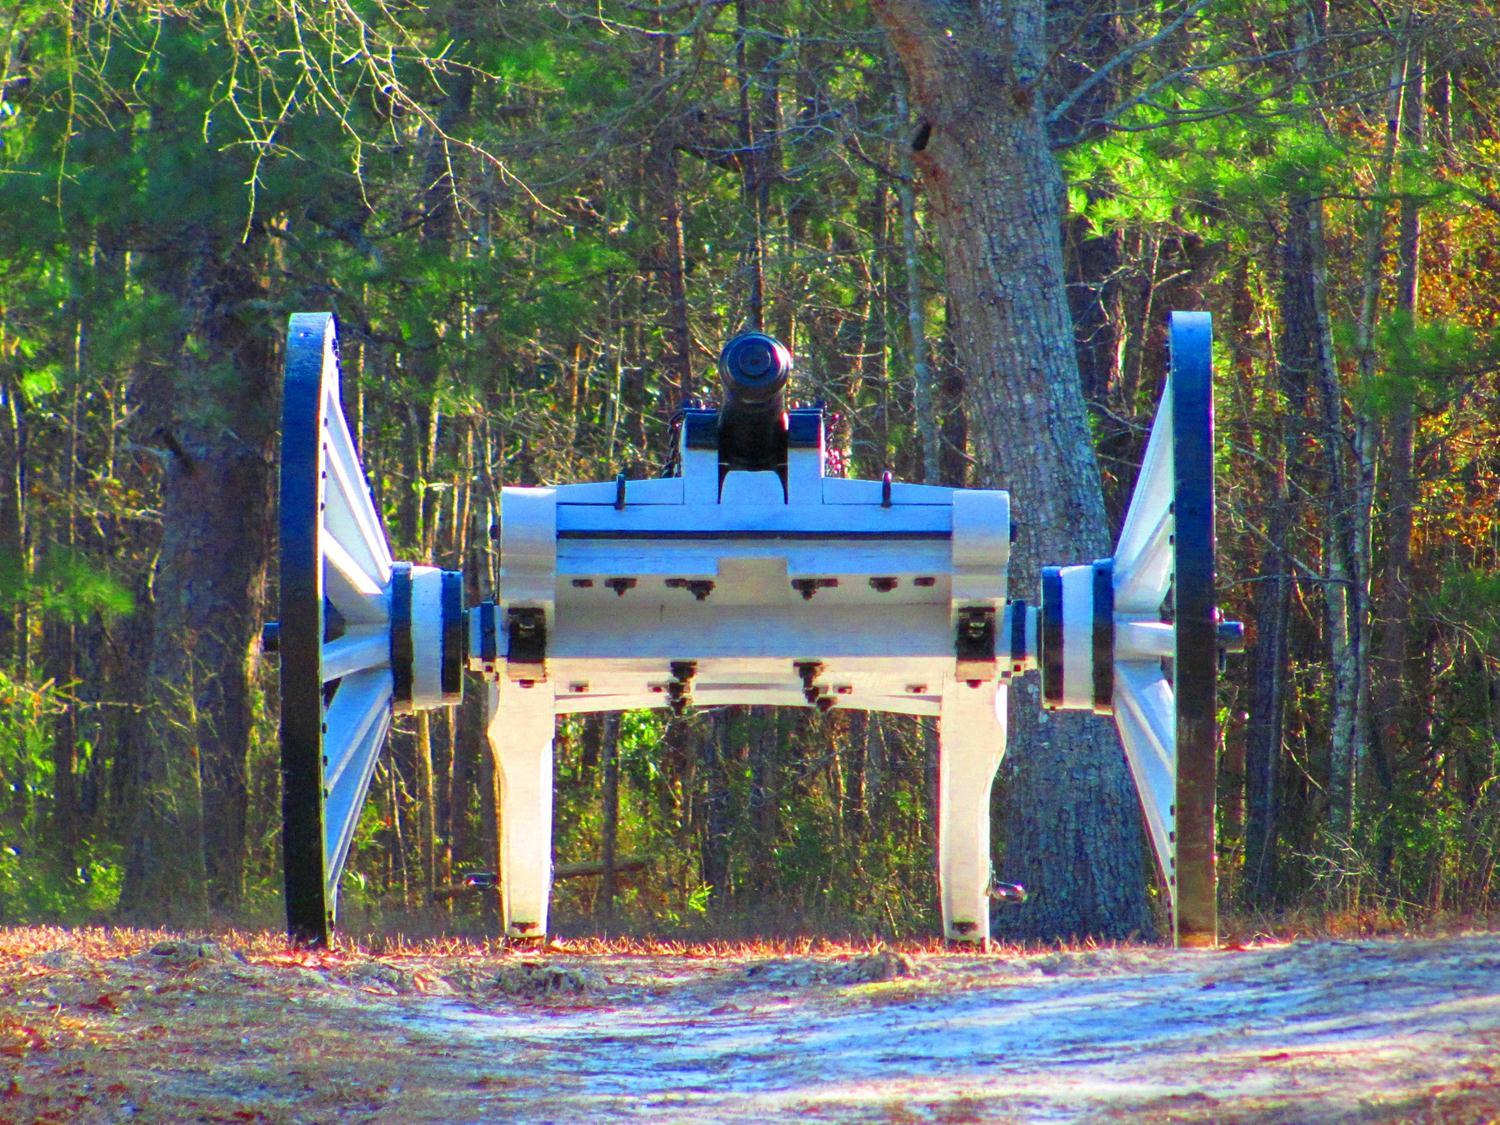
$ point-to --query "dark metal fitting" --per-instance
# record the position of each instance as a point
(527, 628)
(620, 585)
(684, 670)
(270, 637)
(1008, 892)
(884, 585)
(1231, 636)
(807, 587)
(700, 588)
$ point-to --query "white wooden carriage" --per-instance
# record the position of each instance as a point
(750, 577)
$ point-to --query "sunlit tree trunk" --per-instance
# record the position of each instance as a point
(1069, 815)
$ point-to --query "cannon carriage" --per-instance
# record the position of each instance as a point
(750, 576)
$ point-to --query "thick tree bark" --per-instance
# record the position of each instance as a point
(188, 780)
(1069, 818)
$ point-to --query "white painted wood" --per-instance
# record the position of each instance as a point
(520, 729)
(842, 490)
(1143, 555)
(657, 559)
(971, 741)
(426, 638)
(364, 646)
(1144, 584)
(1144, 640)
(980, 524)
(1078, 638)
(747, 695)
(749, 491)
(804, 473)
(352, 590)
(528, 549)
(1144, 712)
(700, 474)
(651, 490)
(829, 521)
(816, 630)
(344, 803)
(356, 705)
(347, 505)
(361, 714)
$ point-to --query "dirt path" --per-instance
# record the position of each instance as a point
(149, 1028)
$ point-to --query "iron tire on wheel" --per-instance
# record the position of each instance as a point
(308, 909)
(1195, 668)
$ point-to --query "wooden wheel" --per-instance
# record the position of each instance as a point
(334, 635)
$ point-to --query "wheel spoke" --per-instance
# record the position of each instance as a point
(348, 496)
(1153, 491)
(1141, 585)
(356, 705)
(346, 799)
(350, 588)
(1143, 711)
(355, 651)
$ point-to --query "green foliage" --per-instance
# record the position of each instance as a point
(66, 585)
(36, 882)
(1425, 364)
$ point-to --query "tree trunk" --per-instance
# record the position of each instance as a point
(1297, 358)
(924, 400)
(714, 738)
(610, 750)
(1070, 820)
(1390, 718)
(14, 555)
(189, 777)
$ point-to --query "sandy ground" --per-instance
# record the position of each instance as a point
(157, 1028)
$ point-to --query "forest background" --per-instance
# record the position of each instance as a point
(537, 222)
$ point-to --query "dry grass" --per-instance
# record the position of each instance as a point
(102, 1024)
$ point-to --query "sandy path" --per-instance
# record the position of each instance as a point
(1337, 1031)
(1386, 1031)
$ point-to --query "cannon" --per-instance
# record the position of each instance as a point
(753, 371)
(750, 576)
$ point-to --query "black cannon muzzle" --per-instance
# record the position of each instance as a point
(753, 369)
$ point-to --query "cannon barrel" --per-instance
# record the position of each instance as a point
(753, 370)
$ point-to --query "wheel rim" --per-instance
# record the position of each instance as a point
(1195, 668)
